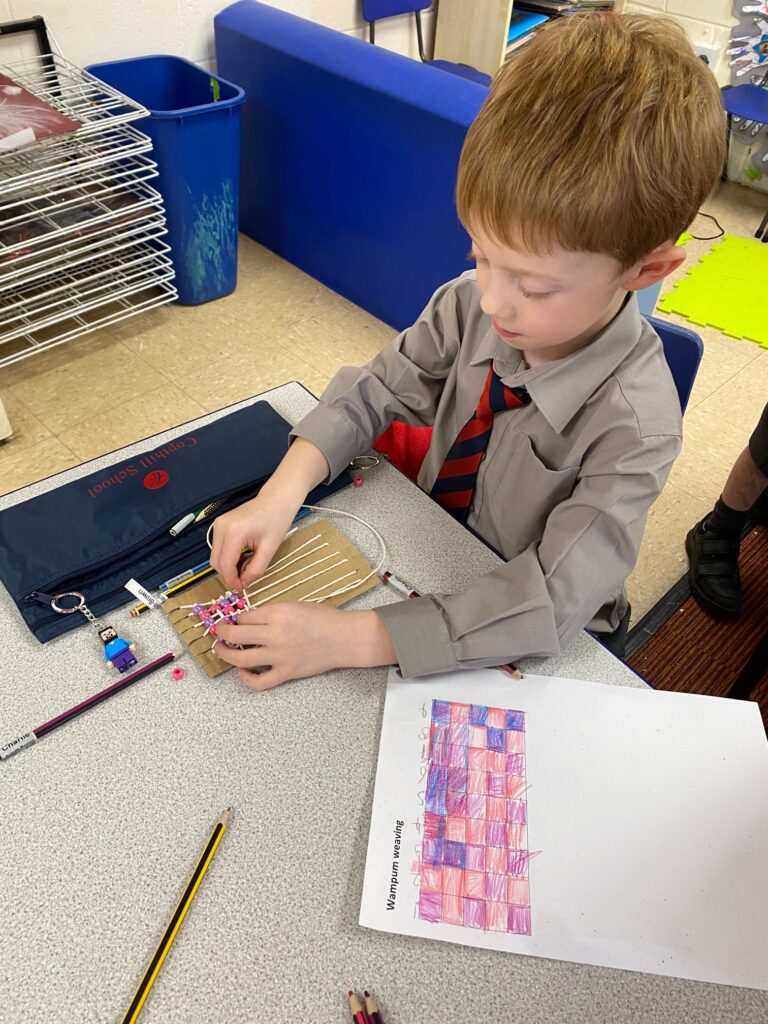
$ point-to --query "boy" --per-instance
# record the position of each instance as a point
(556, 420)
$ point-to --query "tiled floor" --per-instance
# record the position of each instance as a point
(102, 391)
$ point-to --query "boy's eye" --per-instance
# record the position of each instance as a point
(535, 295)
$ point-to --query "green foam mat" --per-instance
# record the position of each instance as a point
(726, 290)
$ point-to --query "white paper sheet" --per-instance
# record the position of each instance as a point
(646, 832)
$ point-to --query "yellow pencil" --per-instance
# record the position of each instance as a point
(174, 924)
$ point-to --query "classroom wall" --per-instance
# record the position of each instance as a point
(88, 31)
(710, 22)
(705, 21)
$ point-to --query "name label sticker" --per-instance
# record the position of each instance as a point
(9, 749)
(140, 592)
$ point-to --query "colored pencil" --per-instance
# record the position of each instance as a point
(512, 670)
(172, 928)
(31, 737)
(359, 1015)
(207, 512)
(139, 609)
(182, 576)
(372, 1008)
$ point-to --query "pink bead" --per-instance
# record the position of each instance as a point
(357, 481)
(240, 603)
(177, 673)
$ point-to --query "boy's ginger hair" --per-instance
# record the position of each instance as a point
(605, 134)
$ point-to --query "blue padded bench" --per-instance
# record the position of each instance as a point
(349, 157)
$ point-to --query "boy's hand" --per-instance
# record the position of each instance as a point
(290, 641)
(262, 523)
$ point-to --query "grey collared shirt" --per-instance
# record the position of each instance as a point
(562, 493)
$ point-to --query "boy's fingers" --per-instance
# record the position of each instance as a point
(232, 580)
(251, 657)
(228, 559)
(260, 680)
(246, 633)
(256, 566)
(215, 548)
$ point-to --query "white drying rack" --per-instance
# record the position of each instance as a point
(80, 227)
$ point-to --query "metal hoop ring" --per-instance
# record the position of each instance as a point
(366, 461)
(68, 611)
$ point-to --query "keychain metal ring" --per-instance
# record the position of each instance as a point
(366, 461)
(68, 611)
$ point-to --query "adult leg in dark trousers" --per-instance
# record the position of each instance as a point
(713, 543)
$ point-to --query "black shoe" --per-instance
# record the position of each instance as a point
(713, 573)
(759, 511)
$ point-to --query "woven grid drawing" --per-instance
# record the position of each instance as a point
(473, 865)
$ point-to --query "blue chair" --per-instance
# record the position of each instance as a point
(749, 102)
(375, 10)
(683, 350)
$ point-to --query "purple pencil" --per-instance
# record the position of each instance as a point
(31, 737)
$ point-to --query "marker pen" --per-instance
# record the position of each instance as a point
(182, 524)
(399, 585)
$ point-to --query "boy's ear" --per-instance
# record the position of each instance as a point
(662, 261)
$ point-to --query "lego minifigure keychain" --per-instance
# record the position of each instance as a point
(118, 653)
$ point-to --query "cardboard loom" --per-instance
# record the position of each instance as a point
(278, 587)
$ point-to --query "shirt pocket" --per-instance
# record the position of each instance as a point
(524, 496)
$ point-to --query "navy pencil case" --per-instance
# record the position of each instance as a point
(94, 534)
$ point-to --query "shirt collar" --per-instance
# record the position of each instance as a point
(560, 388)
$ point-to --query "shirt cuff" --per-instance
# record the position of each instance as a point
(329, 431)
(420, 637)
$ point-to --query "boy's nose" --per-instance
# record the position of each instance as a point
(494, 303)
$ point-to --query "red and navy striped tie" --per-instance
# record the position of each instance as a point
(456, 480)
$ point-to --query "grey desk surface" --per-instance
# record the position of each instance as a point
(104, 819)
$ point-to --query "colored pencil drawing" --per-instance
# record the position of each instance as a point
(472, 867)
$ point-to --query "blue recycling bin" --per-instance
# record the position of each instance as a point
(194, 124)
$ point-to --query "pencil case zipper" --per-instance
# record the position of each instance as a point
(79, 581)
